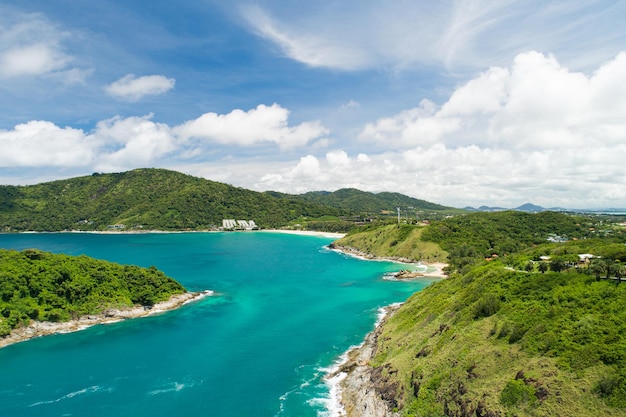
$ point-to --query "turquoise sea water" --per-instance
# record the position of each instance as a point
(286, 308)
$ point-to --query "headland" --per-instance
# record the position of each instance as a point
(44, 328)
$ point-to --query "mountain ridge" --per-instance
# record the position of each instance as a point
(160, 199)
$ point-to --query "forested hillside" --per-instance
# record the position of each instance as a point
(37, 285)
(167, 200)
(357, 201)
(143, 198)
(523, 326)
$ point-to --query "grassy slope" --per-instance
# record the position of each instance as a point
(496, 342)
(402, 241)
(447, 359)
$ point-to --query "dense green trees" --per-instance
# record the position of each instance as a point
(168, 200)
(357, 201)
(146, 198)
(36, 285)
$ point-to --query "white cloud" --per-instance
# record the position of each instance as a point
(338, 158)
(419, 126)
(315, 51)
(535, 104)
(533, 132)
(307, 169)
(351, 105)
(125, 143)
(30, 46)
(457, 34)
(131, 142)
(31, 60)
(133, 88)
(41, 143)
(263, 124)
(463, 175)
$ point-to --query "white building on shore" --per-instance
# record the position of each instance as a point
(232, 224)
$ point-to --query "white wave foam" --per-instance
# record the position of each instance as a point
(306, 382)
(173, 387)
(94, 388)
(383, 311)
(332, 404)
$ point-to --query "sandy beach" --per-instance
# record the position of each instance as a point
(434, 269)
(43, 328)
(306, 233)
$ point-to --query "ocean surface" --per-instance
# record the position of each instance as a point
(285, 309)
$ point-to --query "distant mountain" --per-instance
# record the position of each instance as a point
(167, 200)
(528, 207)
(532, 208)
(357, 201)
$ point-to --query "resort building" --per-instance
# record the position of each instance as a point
(232, 224)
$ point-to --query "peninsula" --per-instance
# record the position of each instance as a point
(43, 293)
(525, 324)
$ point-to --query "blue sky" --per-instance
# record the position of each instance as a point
(456, 102)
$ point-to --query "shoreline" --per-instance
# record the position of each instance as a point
(352, 390)
(332, 235)
(352, 393)
(436, 272)
(44, 328)
(305, 233)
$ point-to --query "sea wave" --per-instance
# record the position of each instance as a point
(310, 374)
(333, 406)
(172, 387)
(88, 390)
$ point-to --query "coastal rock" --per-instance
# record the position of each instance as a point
(362, 393)
(436, 270)
(405, 274)
(43, 328)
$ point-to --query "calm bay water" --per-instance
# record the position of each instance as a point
(286, 308)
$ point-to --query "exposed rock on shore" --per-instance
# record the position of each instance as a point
(44, 328)
(356, 252)
(436, 270)
(364, 392)
(406, 274)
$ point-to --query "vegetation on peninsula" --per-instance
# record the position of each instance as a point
(504, 336)
(393, 241)
(37, 285)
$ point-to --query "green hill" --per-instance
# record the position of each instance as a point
(462, 239)
(357, 201)
(168, 200)
(37, 285)
(521, 327)
(496, 342)
(403, 242)
(146, 198)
